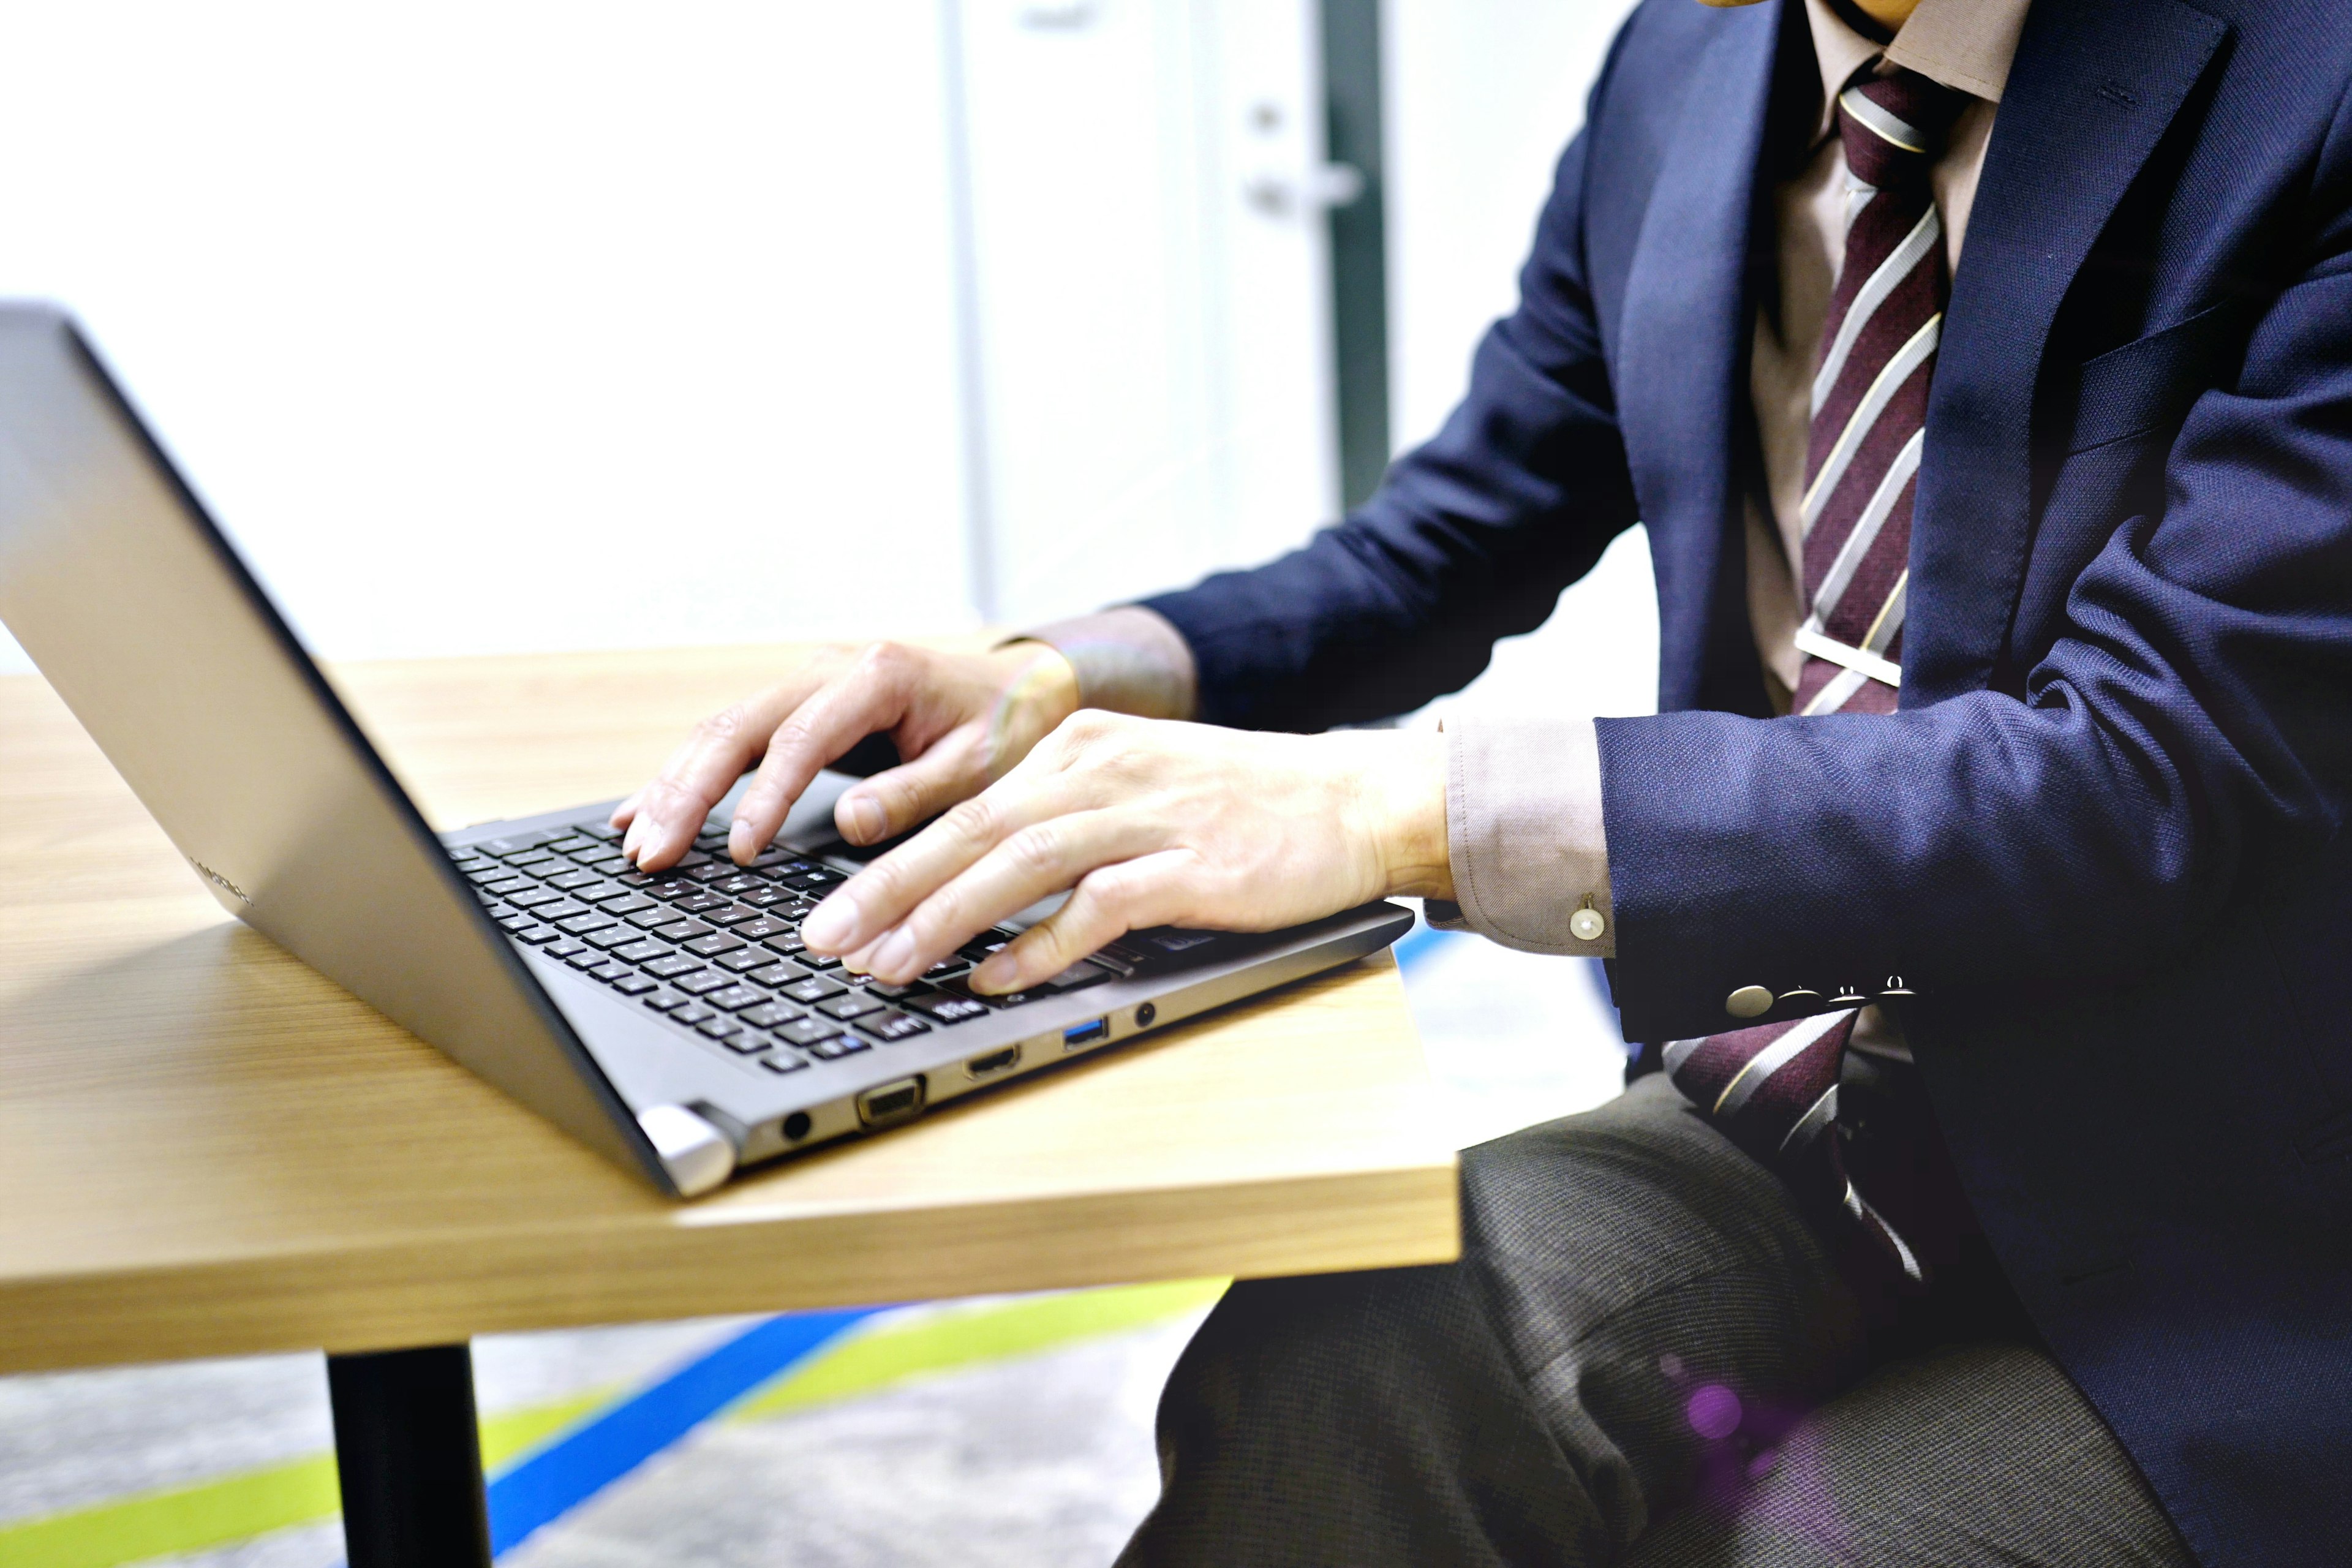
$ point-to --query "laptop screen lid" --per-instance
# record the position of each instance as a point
(144, 619)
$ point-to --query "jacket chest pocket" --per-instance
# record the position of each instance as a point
(2148, 385)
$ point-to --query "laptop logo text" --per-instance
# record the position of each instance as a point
(218, 881)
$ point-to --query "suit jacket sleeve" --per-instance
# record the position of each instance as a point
(1471, 537)
(2187, 729)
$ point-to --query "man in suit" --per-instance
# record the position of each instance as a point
(1982, 373)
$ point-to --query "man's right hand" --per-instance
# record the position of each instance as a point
(959, 720)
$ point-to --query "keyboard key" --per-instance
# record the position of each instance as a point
(681, 931)
(748, 1042)
(779, 974)
(788, 944)
(654, 916)
(735, 998)
(945, 969)
(702, 983)
(714, 945)
(814, 960)
(815, 988)
(571, 844)
(691, 1014)
(644, 951)
(810, 881)
(1077, 977)
(759, 928)
(717, 1029)
(980, 946)
(609, 972)
(631, 984)
(888, 1026)
(664, 1000)
(531, 857)
(771, 856)
(608, 864)
(516, 843)
(534, 935)
(768, 1014)
(576, 881)
(783, 1061)
(947, 1008)
(587, 921)
(749, 958)
(586, 958)
(613, 938)
(603, 831)
(623, 903)
(690, 860)
(565, 949)
(850, 1007)
(838, 1045)
(761, 898)
(805, 1030)
(732, 915)
(884, 989)
(701, 904)
(676, 964)
(531, 897)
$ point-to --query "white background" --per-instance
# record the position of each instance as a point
(532, 326)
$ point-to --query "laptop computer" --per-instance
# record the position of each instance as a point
(672, 1021)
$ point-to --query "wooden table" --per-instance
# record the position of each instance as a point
(207, 1149)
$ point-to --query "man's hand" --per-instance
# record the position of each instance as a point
(1151, 822)
(959, 720)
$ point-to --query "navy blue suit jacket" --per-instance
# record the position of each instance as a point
(2103, 840)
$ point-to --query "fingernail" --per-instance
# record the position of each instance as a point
(829, 924)
(895, 954)
(862, 815)
(996, 974)
(742, 840)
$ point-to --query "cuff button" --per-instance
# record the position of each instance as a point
(1586, 924)
(1748, 1002)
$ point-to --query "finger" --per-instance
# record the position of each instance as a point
(672, 807)
(953, 769)
(879, 897)
(871, 695)
(1108, 902)
(1041, 859)
(624, 813)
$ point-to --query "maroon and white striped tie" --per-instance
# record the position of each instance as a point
(1773, 1088)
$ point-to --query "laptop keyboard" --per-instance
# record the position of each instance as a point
(714, 948)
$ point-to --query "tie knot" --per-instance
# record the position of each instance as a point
(1893, 126)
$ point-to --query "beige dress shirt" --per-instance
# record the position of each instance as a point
(1523, 793)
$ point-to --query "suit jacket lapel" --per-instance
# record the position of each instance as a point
(2095, 84)
(1686, 318)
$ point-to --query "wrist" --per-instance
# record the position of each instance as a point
(1037, 679)
(1409, 816)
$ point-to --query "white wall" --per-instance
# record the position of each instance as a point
(1483, 95)
(525, 326)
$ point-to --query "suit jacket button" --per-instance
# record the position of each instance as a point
(1748, 1002)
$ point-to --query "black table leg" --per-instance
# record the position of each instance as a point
(410, 1459)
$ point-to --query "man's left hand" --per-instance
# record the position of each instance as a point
(1151, 822)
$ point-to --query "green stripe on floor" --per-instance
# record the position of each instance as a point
(893, 1354)
(239, 1507)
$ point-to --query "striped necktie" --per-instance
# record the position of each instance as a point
(1773, 1088)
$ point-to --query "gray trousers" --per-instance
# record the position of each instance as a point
(1648, 1356)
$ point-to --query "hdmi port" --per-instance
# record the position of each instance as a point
(992, 1064)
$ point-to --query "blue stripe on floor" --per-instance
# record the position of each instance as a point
(557, 1478)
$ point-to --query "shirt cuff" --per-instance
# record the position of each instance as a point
(1524, 832)
(1128, 660)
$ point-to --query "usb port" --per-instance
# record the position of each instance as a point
(992, 1064)
(1085, 1034)
(891, 1102)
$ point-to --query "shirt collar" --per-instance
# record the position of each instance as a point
(1964, 44)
